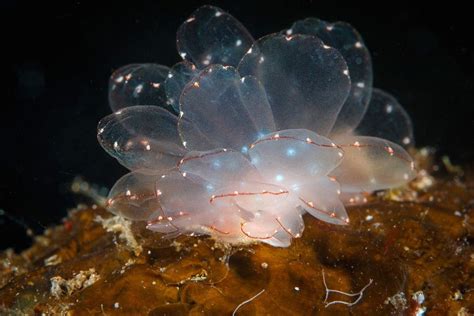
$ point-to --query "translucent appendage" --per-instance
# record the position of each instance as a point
(386, 118)
(349, 43)
(142, 137)
(133, 196)
(306, 81)
(138, 84)
(178, 77)
(220, 109)
(291, 157)
(372, 164)
(212, 36)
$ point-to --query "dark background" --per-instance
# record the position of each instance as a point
(57, 59)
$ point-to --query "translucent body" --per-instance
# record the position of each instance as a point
(243, 137)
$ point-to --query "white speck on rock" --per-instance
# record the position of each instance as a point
(120, 225)
(83, 279)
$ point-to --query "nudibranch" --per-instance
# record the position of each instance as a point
(244, 136)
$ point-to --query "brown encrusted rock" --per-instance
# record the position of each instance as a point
(405, 251)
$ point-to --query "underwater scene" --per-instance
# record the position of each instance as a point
(224, 158)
